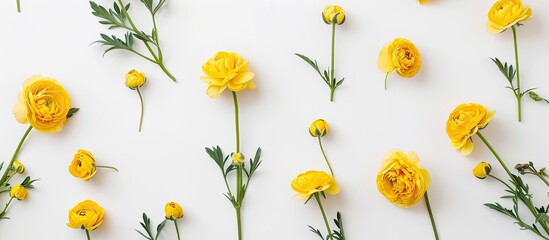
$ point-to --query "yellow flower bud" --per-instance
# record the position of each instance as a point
(135, 79)
(173, 211)
(330, 12)
(482, 170)
(86, 215)
(83, 165)
(18, 167)
(238, 158)
(19, 192)
(318, 128)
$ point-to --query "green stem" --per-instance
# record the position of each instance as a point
(501, 181)
(176, 229)
(236, 122)
(431, 216)
(495, 154)
(317, 197)
(142, 108)
(332, 70)
(239, 224)
(156, 38)
(519, 93)
(386, 76)
(161, 64)
(88, 234)
(6, 208)
(239, 193)
(18, 6)
(324, 154)
(542, 178)
(15, 154)
(108, 167)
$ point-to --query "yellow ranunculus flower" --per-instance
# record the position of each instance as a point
(173, 211)
(43, 103)
(135, 79)
(318, 128)
(18, 167)
(329, 13)
(310, 182)
(423, 1)
(464, 122)
(400, 55)
(238, 158)
(401, 180)
(83, 165)
(86, 215)
(226, 70)
(19, 192)
(482, 170)
(506, 13)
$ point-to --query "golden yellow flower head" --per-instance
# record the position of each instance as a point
(423, 1)
(43, 103)
(506, 13)
(400, 55)
(464, 122)
(173, 211)
(482, 170)
(318, 128)
(238, 158)
(226, 70)
(18, 167)
(86, 215)
(310, 182)
(401, 180)
(83, 165)
(330, 12)
(19, 192)
(135, 79)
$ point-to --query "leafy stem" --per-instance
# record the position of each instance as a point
(528, 168)
(3, 213)
(146, 225)
(519, 96)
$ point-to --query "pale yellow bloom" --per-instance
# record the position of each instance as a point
(464, 122)
(310, 182)
(329, 13)
(401, 180)
(83, 165)
(86, 215)
(19, 192)
(482, 170)
(400, 55)
(318, 128)
(43, 103)
(18, 167)
(423, 1)
(173, 211)
(226, 70)
(238, 158)
(506, 13)
(135, 79)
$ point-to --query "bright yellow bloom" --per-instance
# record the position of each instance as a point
(401, 180)
(308, 183)
(86, 215)
(226, 70)
(318, 128)
(18, 167)
(506, 13)
(423, 1)
(464, 122)
(135, 79)
(173, 211)
(481, 170)
(19, 192)
(238, 158)
(43, 103)
(400, 55)
(329, 13)
(83, 165)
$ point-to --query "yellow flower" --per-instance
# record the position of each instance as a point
(19, 192)
(86, 215)
(506, 13)
(83, 165)
(308, 183)
(318, 128)
(401, 180)
(329, 13)
(481, 170)
(173, 211)
(464, 122)
(423, 1)
(18, 167)
(226, 70)
(399, 55)
(135, 79)
(238, 158)
(43, 103)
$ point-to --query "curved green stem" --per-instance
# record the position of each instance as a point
(495, 154)
(317, 197)
(176, 229)
(18, 6)
(501, 181)
(108, 167)
(6, 208)
(519, 93)
(161, 64)
(386, 76)
(332, 70)
(15, 154)
(142, 108)
(88, 234)
(324, 154)
(433, 224)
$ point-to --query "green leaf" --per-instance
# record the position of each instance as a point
(316, 231)
(71, 112)
(158, 6)
(159, 229)
(27, 183)
(338, 235)
(313, 64)
(534, 96)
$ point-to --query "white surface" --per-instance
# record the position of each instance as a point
(167, 160)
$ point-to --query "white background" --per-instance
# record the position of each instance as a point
(167, 161)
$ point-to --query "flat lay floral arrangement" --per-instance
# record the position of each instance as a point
(133, 152)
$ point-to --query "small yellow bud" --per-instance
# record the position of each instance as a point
(330, 12)
(18, 167)
(19, 192)
(482, 170)
(238, 158)
(135, 79)
(173, 211)
(318, 128)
